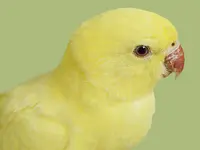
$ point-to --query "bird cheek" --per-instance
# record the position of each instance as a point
(161, 57)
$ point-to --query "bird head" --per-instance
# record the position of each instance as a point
(126, 51)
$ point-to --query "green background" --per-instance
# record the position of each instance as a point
(35, 33)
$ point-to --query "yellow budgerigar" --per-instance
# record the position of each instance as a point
(100, 97)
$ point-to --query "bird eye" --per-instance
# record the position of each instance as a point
(141, 50)
(173, 44)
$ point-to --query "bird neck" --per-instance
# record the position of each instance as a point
(73, 82)
(74, 86)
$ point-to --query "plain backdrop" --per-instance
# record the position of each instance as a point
(34, 35)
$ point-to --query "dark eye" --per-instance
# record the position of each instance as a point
(141, 50)
(173, 44)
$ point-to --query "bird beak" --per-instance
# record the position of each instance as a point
(174, 62)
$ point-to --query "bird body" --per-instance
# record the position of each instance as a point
(101, 95)
(32, 118)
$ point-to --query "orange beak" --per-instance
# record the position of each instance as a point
(174, 62)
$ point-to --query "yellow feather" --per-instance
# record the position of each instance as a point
(100, 97)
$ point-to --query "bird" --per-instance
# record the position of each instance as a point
(101, 94)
